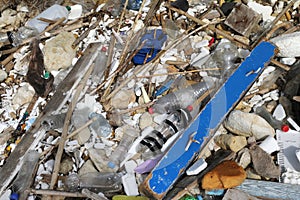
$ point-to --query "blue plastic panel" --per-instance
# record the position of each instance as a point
(174, 163)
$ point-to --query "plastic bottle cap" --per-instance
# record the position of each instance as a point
(151, 110)
(68, 8)
(189, 108)
(104, 49)
(285, 128)
(111, 165)
(14, 196)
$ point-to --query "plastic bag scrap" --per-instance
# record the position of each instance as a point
(154, 40)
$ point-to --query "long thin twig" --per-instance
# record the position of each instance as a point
(66, 127)
(57, 193)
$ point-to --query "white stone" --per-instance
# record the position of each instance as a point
(58, 52)
(122, 99)
(49, 165)
(269, 145)
(44, 186)
(288, 61)
(287, 45)
(6, 195)
(3, 75)
(279, 112)
(248, 124)
(160, 70)
(197, 167)
(99, 146)
(130, 185)
(23, 95)
(145, 120)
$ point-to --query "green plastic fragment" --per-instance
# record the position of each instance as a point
(68, 8)
(46, 74)
(124, 197)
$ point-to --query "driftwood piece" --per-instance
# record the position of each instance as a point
(7, 172)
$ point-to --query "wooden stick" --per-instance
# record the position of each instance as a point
(66, 127)
(81, 128)
(52, 26)
(57, 193)
(135, 108)
(281, 65)
(175, 73)
(85, 33)
(200, 22)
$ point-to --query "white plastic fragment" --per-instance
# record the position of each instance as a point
(130, 185)
(265, 11)
(293, 123)
(279, 112)
(269, 145)
(75, 12)
(197, 167)
(6, 195)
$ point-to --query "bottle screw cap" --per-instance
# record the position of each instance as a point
(151, 110)
(285, 128)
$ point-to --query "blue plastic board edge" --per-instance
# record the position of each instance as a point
(174, 163)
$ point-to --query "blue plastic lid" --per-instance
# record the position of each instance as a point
(111, 165)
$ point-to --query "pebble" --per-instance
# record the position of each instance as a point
(244, 158)
(287, 45)
(122, 99)
(99, 159)
(279, 112)
(226, 175)
(251, 174)
(3, 75)
(66, 166)
(49, 165)
(228, 141)
(58, 52)
(263, 163)
(145, 120)
(248, 124)
(87, 167)
(288, 61)
(23, 95)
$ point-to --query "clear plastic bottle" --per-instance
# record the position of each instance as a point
(276, 124)
(101, 126)
(223, 59)
(95, 182)
(35, 26)
(119, 154)
(176, 121)
(100, 66)
(182, 97)
(25, 176)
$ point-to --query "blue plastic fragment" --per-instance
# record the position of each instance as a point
(215, 192)
(154, 40)
(199, 197)
(176, 160)
(133, 4)
(164, 88)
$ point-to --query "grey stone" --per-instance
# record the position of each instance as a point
(3, 75)
(263, 163)
(24, 95)
(83, 136)
(251, 174)
(248, 124)
(99, 159)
